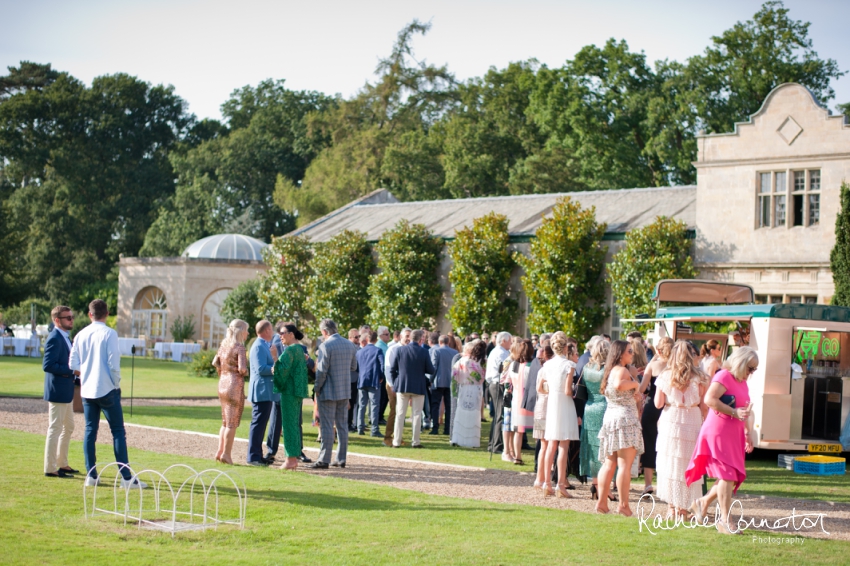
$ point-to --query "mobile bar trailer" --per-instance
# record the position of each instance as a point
(801, 390)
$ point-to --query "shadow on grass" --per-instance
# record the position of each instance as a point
(345, 503)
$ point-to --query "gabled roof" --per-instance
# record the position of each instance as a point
(622, 210)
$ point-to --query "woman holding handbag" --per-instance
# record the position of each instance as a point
(517, 420)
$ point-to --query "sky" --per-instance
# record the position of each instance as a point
(207, 49)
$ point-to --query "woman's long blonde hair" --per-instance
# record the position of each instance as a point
(682, 367)
(639, 352)
(234, 332)
(599, 353)
(664, 347)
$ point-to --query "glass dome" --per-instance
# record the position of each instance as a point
(226, 246)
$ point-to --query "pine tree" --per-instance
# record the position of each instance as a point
(839, 259)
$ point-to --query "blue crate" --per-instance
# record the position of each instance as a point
(819, 466)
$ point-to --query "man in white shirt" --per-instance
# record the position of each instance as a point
(95, 358)
(497, 392)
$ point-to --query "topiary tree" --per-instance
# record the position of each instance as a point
(406, 292)
(283, 291)
(563, 272)
(839, 258)
(480, 277)
(661, 250)
(339, 286)
(243, 302)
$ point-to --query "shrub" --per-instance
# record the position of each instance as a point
(282, 291)
(339, 286)
(660, 250)
(201, 365)
(21, 312)
(563, 273)
(480, 277)
(406, 292)
(243, 303)
(183, 328)
(839, 258)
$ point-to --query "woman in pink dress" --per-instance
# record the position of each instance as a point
(725, 436)
(516, 378)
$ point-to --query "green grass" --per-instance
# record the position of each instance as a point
(23, 377)
(763, 476)
(297, 518)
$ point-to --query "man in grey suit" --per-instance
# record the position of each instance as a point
(441, 382)
(335, 362)
(409, 366)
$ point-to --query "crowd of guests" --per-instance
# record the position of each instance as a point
(672, 410)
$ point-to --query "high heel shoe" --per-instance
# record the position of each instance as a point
(562, 493)
(594, 493)
(547, 490)
(612, 497)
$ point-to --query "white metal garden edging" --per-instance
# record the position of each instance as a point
(172, 510)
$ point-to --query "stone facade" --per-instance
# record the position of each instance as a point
(767, 198)
(186, 283)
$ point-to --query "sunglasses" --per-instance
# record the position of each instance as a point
(69, 317)
(630, 351)
(751, 369)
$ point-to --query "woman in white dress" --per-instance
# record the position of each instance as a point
(679, 390)
(710, 357)
(561, 418)
(467, 376)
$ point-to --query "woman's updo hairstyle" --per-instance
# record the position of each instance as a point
(664, 347)
(558, 342)
(234, 331)
(294, 330)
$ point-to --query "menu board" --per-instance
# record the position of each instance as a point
(822, 354)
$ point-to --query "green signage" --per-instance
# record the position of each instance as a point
(812, 342)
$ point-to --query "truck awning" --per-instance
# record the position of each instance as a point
(702, 292)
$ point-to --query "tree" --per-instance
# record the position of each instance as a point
(405, 291)
(28, 76)
(563, 272)
(839, 258)
(735, 74)
(283, 291)
(661, 250)
(243, 302)
(338, 288)
(480, 277)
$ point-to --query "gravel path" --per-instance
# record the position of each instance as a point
(499, 486)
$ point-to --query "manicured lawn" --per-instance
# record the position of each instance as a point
(763, 476)
(23, 377)
(297, 518)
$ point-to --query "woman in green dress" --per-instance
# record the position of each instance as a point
(290, 380)
(594, 411)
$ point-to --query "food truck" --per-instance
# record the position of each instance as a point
(801, 389)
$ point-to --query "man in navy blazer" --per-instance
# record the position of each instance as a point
(409, 366)
(370, 363)
(261, 391)
(59, 394)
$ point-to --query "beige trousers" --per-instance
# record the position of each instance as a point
(417, 402)
(59, 431)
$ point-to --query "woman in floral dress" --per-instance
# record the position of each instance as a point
(467, 376)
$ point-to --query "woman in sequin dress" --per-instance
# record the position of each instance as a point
(620, 438)
(232, 367)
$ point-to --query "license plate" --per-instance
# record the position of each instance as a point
(831, 448)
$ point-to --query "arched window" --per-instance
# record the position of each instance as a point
(214, 328)
(150, 315)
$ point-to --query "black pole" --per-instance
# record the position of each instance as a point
(132, 375)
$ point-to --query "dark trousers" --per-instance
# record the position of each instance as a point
(352, 409)
(273, 439)
(497, 394)
(110, 405)
(260, 414)
(385, 398)
(439, 394)
(427, 405)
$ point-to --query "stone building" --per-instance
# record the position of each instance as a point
(153, 291)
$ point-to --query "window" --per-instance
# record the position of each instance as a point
(616, 328)
(782, 205)
(213, 328)
(150, 315)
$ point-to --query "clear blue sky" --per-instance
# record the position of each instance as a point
(206, 49)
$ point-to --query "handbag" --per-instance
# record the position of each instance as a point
(580, 390)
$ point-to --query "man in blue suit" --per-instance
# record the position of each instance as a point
(441, 382)
(370, 362)
(409, 365)
(261, 391)
(59, 394)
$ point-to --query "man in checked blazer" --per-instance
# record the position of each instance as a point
(334, 364)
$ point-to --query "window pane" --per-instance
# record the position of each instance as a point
(796, 299)
(798, 210)
(814, 210)
(764, 182)
(781, 186)
(810, 300)
(799, 181)
(776, 299)
(761, 299)
(814, 180)
(764, 217)
(779, 211)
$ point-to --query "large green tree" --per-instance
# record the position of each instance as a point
(482, 298)
(661, 250)
(563, 272)
(338, 288)
(839, 258)
(283, 289)
(405, 291)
